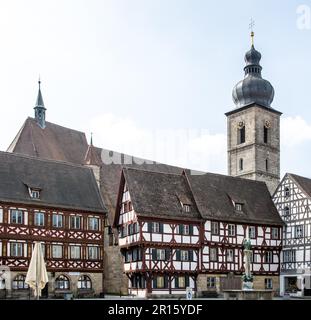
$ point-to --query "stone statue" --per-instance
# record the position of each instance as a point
(247, 277)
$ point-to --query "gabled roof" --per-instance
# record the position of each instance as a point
(303, 182)
(211, 196)
(62, 185)
(216, 194)
(53, 142)
(155, 194)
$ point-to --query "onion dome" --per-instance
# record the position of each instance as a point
(253, 88)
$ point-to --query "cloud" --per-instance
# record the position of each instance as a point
(187, 148)
(294, 131)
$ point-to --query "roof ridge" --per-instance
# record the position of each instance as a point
(20, 155)
(57, 125)
(151, 171)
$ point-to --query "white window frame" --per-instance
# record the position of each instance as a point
(58, 218)
(160, 254)
(155, 227)
(93, 253)
(39, 215)
(231, 230)
(252, 232)
(19, 216)
(16, 249)
(274, 233)
(75, 252)
(184, 255)
(213, 254)
(230, 255)
(93, 223)
(77, 222)
(299, 231)
(57, 251)
(268, 257)
(214, 228)
(268, 284)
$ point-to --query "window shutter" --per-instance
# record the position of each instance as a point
(154, 281)
(154, 254)
(165, 281)
(178, 255)
(161, 227)
(149, 226)
(167, 254)
(181, 229)
(187, 282)
(191, 229)
(190, 255)
(176, 282)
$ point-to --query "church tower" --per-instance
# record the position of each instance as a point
(40, 109)
(254, 127)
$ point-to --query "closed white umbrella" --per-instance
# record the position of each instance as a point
(37, 276)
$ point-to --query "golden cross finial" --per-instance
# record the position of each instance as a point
(251, 27)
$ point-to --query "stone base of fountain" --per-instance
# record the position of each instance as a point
(248, 294)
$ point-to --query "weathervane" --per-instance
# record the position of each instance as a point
(251, 27)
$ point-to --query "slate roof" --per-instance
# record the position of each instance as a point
(54, 142)
(62, 185)
(304, 183)
(215, 194)
(212, 197)
(160, 194)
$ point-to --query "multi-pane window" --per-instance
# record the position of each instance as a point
(213, 254)
(268, 283)
(181, 282)
(34, 194)
(93, 224)
(184, 255)
(231, 230)
(239, 207)
(286, 211)
(84, 283)
(62, 283)
(19, 283)
(275, 233)
(211, 283)
(186, 208)
(287, 192)
(39, 219)
(57, 220)
(92, 252)
(253, 257)
(155, 227)
(160, 282)
(17, 216)
(75, 252)
(215, 228)
(268, 257)
(184, 229)
(57, 251)
(289, 256)
(16, 249)
(75, 222)
(299, 231)
(230, 255)
(160, 254)
(252, 232)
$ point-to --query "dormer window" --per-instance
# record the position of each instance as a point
(186, 207)
(34, 193)
(239, 207)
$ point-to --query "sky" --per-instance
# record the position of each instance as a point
(153, 78)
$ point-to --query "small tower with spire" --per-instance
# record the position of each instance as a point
(40, 108)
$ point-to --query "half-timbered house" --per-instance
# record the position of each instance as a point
(58, 204)
(293, 201)
(178, 231)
